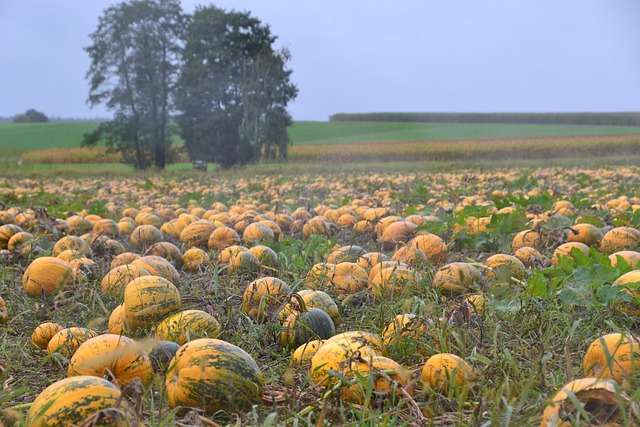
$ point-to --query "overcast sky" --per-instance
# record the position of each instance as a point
(371, 55)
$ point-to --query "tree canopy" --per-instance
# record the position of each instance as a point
(135, 59)
(215, 73)
(233, 89)
(31, 116)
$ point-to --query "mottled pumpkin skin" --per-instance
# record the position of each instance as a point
(620, 239)
(43, 333)
(336, 354)
(303, 354)
(147, 300)
(158, 266)
(67, 341)
(71, 401)
(4, 314)
(213, 375)
(614, 356)
(46, 276)
(263, 297)
(114, 282)
(371, 369)
(301, 327)
(112, 355)
(456, 278)
(445, 370)
(187, 325)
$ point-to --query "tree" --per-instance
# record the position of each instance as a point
(233, 89)
(31, 116)
(135, 58)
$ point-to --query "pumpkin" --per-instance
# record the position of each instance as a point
(43, 333)
(148, 218)
(316, 226)
(304, 353)
(73, 243)
(225, 255)
(397, 232)
(194, 259)
(630, 257)
(67, 341)
(504, 266)
(629, 283)
(445, 372)
(432, 245)
(22, 242)
(380, 373)
(79, 225)
(116, 356)
(615, 356)
(197, 233)
(213, 375)
(144, 236)
(619, 239)
(563, 207)
(223, 237)
(6, 232)
(46, 276)
(267, 257)
(403, 326)
(314, 299)
(601, 396)
(116, 323)
(106, 227)
(147, 300)
(348, 278)
(158, 266)
(529, 256)
(336, 353)
(263, 297)
(565, 249)
(72, 401)
(161, 353)
(114, 282)
(305, 324)
(391, 281)
(122, 259)
(4, 314)
(320, 275)
(188, 325)
(456, 277)
(529, 238)
(370, 259)
(588, 234)
(168, 251)
(349, 253)
(244, 262)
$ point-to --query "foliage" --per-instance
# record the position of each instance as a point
(134, 64)
(31, 116)
(233, 89)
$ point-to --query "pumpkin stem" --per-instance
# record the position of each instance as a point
(573, 230)
(299, 301)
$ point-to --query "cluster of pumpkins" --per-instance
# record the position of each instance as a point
(207, 372)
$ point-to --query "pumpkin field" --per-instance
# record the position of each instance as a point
(469, 297)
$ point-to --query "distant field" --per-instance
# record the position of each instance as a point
(309, 137)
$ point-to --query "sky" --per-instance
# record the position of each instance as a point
(355, 56)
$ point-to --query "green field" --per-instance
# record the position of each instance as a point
(17, 138)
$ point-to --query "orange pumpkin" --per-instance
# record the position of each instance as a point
(614, 356)
(46, 276)
(263, 298)
(446, 372)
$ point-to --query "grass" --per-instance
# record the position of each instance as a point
(528, 343)
(18, 138)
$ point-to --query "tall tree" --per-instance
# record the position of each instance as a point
(233, 89)
(135, 58)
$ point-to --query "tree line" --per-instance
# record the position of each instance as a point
(612, 119)
(212, 77)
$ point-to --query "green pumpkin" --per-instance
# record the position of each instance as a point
(305, 325)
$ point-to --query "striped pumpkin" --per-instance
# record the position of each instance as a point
(147, 300)
(114, 282)
(158, 266)
(187, 325)
(4, 314)
(46, 276)
(116, 356)
(72, 400)
(213, 375)
(43, 333)
(67, 341)
(6, 232)
(263, 297)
